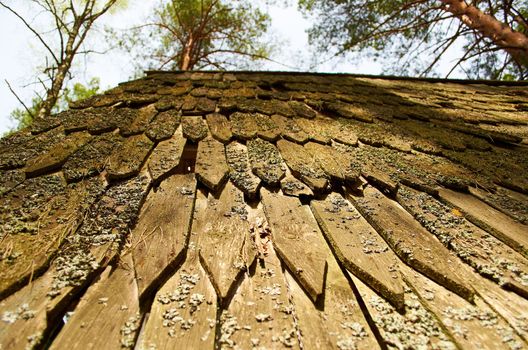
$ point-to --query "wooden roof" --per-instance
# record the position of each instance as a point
(202, 210)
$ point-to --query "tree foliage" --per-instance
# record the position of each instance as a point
(69, 22)
(417, 34)
(198, 34)
(79, 91)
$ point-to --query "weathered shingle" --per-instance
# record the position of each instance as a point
(277, 210)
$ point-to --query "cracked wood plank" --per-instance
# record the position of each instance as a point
(127, 159)
(211, 166)
(411, 242)
(158, 241)
(166, 156)
(302, 165)
(266, 161)
(183, 314)
(57, 155)
(339, 323)
(470, 325)
(222, 234)
(297, 239)
(219, 127)
(489, 219)
(260, 313)
(416, 328)
(486, 254)
(359, 247)
(194, 128)
(107, 316)
(240, 173)
(335, 165)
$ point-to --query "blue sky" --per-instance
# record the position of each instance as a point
(21, 54)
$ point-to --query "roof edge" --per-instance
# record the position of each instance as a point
(354, 75)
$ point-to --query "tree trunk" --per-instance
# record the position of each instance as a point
(186, 54)
(515, 43)
(52, 95)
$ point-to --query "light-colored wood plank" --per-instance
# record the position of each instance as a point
(483, 252)
(162, 231)
(260, 315)
(411, 242)
(243, 125)
(416, 328)
(107, 316)
(240, 169)
(194, 128)
(219, 127)
(211, 166)
(514, 204)
(166, 156)
(266, 161)
(339, 323)
(297, 239)
(128, 158)
(470, 325)
(289, 129)
(490, 219)
(222, 233)
(512, 307)
(183, 314)
(302, 165)
(29, 315)
(359, 247)
(333, 162)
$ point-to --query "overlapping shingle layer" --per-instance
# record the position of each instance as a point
(269, 210)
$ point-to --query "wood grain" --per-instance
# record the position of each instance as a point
(161, 234)
(490, 219)
(411, 242)
(183, 314)
(219, 127)
(359, 247)
(166, 156)
(297, 239)
(222, 233)
(211, 166)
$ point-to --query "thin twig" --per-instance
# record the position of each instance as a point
(18, 98)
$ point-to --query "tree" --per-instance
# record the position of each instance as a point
(72, 21)
(492, 34)
(198, 34)
(78, 91)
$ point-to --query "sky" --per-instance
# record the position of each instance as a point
(21, 54)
